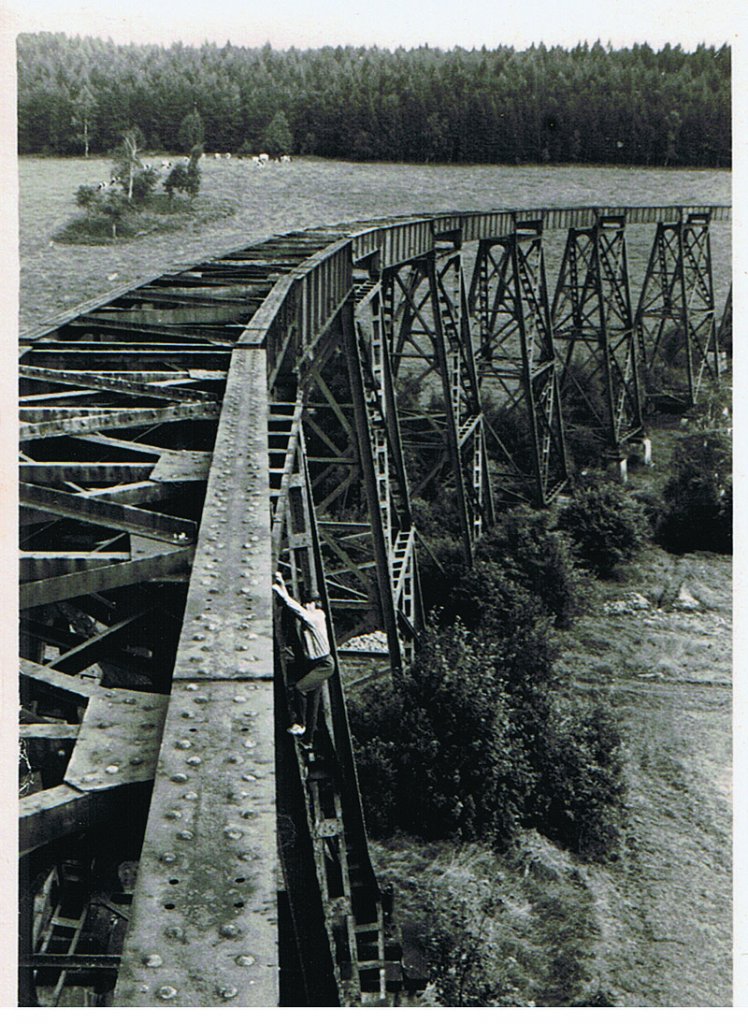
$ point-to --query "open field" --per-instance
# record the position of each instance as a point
(655, 926)
(308, 193)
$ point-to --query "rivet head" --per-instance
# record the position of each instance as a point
(183, 744)
(191, 686)
(168, 858)
(240, 700)
(152, 960)
(191, 795)
(167, 992)
(245, 960)
(194, 760)
(136, 760)
(227, 991)
(179, 777)
(232, 833)
(174, 932)
(229, 931)
(186, 835)
(112, 769)
(173, 814)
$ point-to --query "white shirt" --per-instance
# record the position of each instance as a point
(314, 634)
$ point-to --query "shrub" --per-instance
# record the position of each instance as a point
(177, 180)
(539, 559)
(585, 412)
(448, 743)
(476, 741)
(581, 800)
(467, 945)
(86, 196)
(143, 183)
(698, 494)
(605, 524)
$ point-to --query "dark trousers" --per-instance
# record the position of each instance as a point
(309, 691)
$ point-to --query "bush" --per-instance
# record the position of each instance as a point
(467, 945)
(448, 744)
(476, 741)
(86, 196)
(605, 524)
(143, 184)
(580, 803)
(177, 180)
(698, 494)
(539, 559)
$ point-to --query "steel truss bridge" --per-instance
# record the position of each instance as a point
(282, 407)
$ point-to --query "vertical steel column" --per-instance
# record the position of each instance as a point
(593, 327)
(675, 322)
(373, 455)
(425, 316)
(377, 418)
(451, 406)
(724, 336)
(516, 366)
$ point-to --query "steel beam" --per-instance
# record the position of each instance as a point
(203, 928)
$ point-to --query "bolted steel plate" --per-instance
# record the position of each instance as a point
(227, 631)
(118, 741)
(179, 467)
(203, 926)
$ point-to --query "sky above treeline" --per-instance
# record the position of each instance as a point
(385, 23)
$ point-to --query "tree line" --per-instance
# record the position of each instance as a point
(588, 104)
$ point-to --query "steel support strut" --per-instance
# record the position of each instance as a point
(428, 337)
(516, 365)
(594, 334)
(675, 323)
(333, 898)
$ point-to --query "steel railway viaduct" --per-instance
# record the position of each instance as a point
(281, 407)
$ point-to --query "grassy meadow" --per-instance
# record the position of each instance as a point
(654, 927)
(239, 203)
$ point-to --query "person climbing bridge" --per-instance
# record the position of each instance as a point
(318, 663)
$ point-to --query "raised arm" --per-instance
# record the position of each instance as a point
(279, 586)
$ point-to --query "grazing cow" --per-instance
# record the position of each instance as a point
(256, 162)
(285, 159)
(264, 158)
(227, 156)
(102, 186)
(165, 165)
(216, 156)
